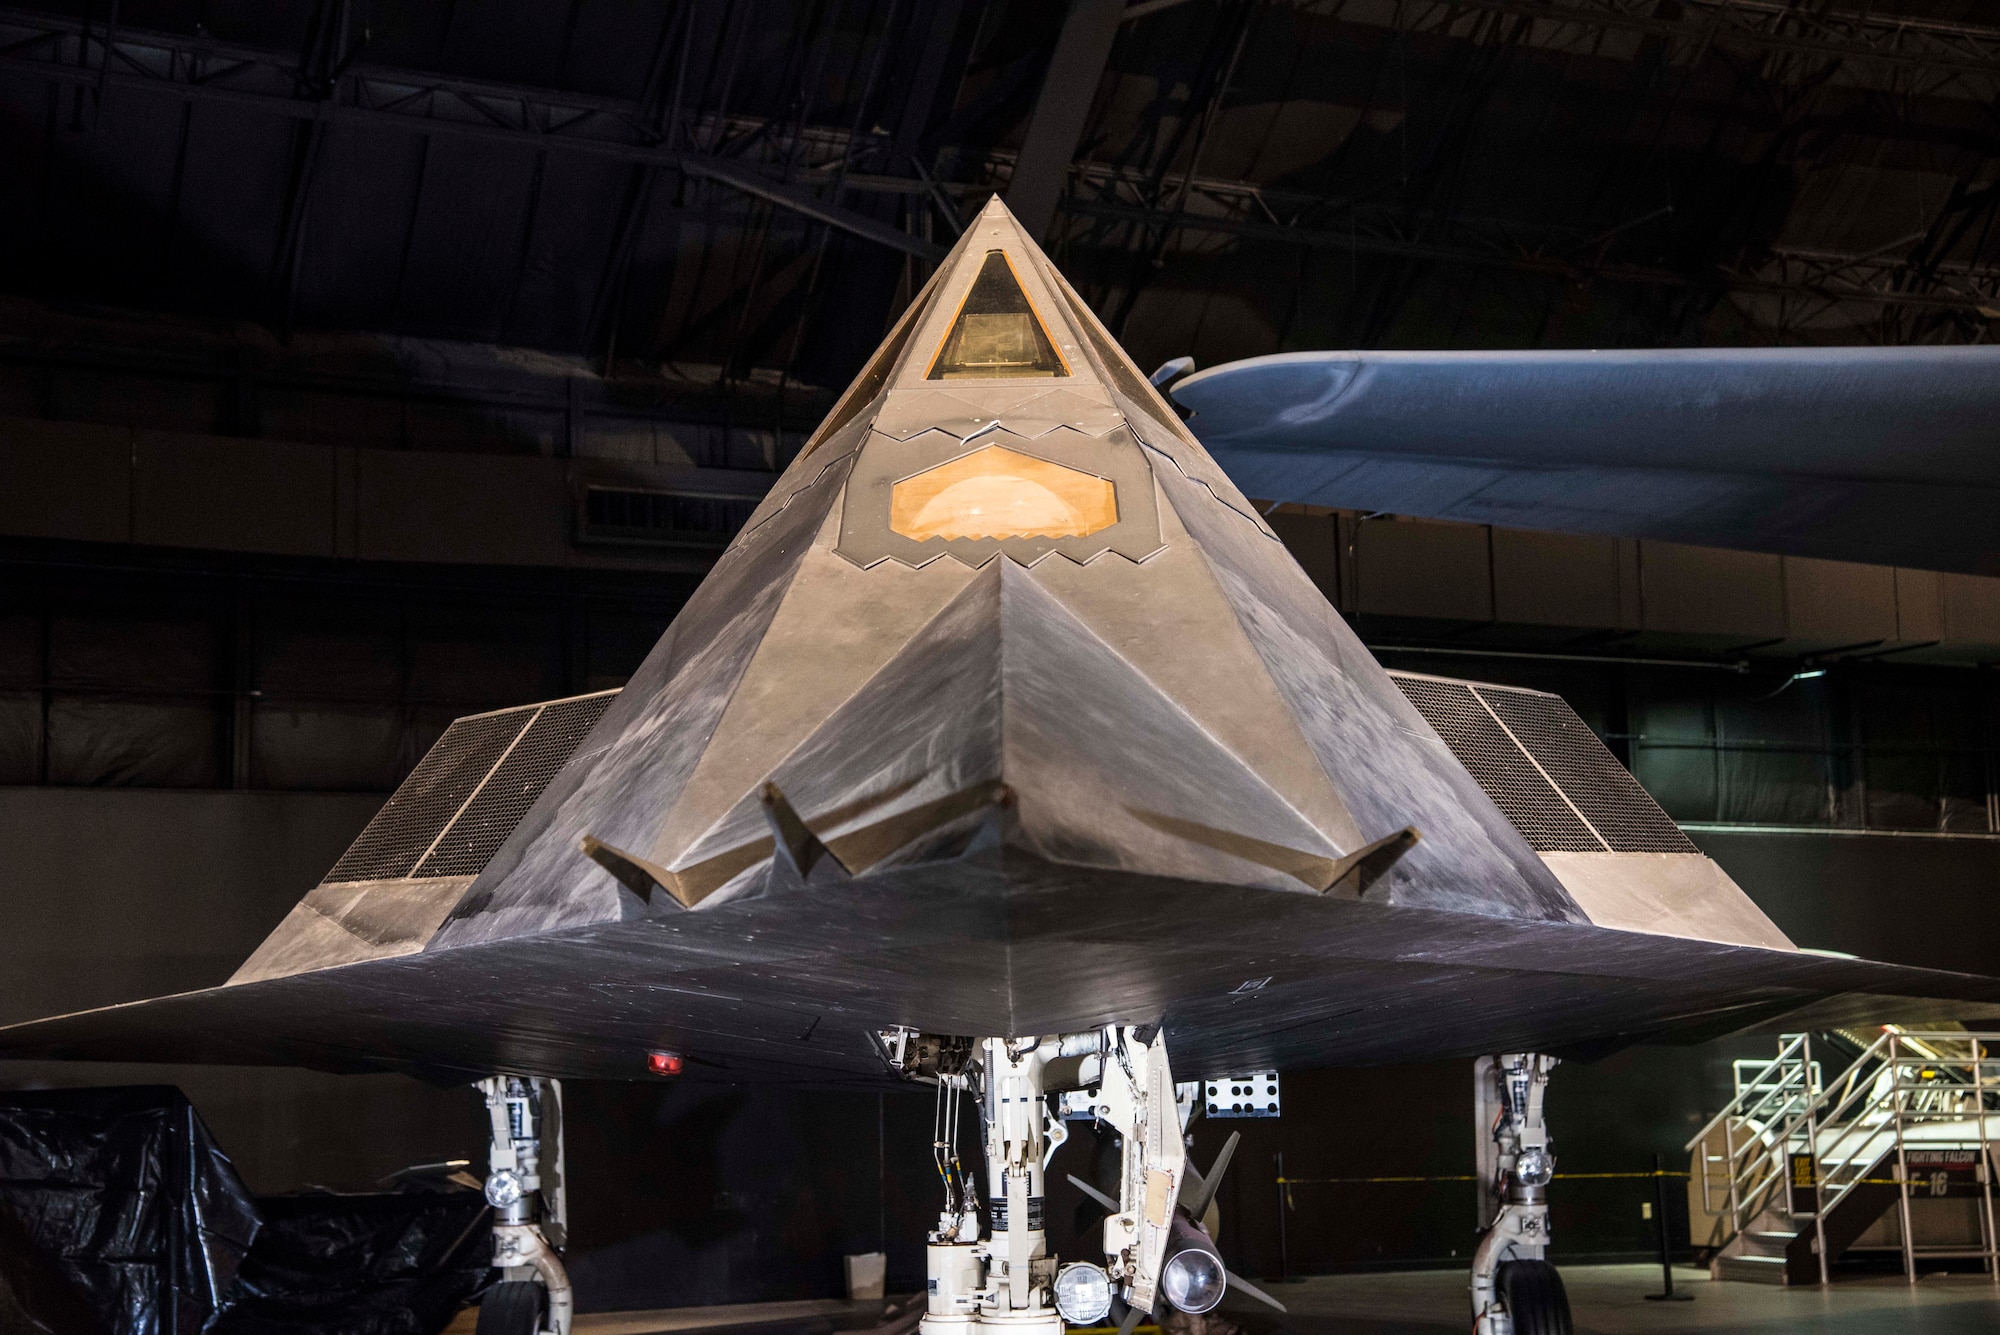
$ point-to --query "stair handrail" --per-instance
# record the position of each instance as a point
(1802, 1109)
(1835, 1113)
(1768, 1106)
(1763, 1155)
(1792, 1043)
(1886, 1113)
(1840, 1121)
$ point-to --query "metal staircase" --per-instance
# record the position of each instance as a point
(1793, 1172)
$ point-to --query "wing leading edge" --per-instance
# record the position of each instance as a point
(1883, 455)
(344, 983)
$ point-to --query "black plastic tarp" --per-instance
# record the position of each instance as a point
(119, 1215)
(392, 1264)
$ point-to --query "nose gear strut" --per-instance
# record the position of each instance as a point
(1515, 1291)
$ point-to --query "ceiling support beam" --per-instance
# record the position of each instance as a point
(1068, 89)
(196, 71)
(1934, 46)
(742, 176)
(1877, 280)
(326, 47)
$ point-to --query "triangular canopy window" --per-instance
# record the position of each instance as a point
(997, 335)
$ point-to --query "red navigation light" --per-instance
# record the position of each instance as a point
(665, 1063)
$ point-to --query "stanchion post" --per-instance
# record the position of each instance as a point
(1284, 1192)
(1666, 1294)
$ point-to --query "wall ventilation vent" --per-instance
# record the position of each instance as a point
(661, 518)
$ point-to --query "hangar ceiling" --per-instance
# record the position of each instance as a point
(756, 185)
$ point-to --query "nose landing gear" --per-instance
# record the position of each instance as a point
(1157, 1254)
(1515, 1291)
(525, 1189)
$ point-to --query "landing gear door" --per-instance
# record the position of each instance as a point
(1486, 1112)
(1139, 1097)
(555, 1168)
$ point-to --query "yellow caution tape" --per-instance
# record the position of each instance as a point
(1296, 1181)
(1464, 1177)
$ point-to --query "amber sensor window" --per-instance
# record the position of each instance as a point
(997, 335)
(999, 493)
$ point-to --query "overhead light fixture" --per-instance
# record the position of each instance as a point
(1803, 674)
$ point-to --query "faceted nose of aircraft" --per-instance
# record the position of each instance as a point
(988, 590)
(1008, 686)
(1003, 601)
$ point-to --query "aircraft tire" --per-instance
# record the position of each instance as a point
(512, 1308)
(1534, 1296)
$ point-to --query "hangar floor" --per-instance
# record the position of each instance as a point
(1610, 1300)
(793, 1318)
(1607, 1300)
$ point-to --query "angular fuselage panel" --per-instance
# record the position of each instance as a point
(1007, 604)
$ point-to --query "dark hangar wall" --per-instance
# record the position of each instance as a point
(306, 385)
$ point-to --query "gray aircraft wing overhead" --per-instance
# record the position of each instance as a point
(1884, 455)
(1005, 714)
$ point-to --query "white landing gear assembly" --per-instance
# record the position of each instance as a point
(1154, 1245)
(530, 1219)
(1515, 1291)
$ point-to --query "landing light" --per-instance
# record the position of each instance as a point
(1083, 1293)
(1535, 1168)
(503, 1189)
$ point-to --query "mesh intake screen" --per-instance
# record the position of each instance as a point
(411, 820)
(1624, 813)
(458, 801)
(472, 840)
(1527, 799)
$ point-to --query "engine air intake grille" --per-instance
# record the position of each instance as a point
(1544, 768)
(544, 748)
(1521, 791)
(469, 791)
(437, 789)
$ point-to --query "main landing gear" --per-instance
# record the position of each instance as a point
(525, 1189)
(1515, 1291)
(1155, 1249)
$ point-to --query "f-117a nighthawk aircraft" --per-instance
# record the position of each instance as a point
(1007, 749)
